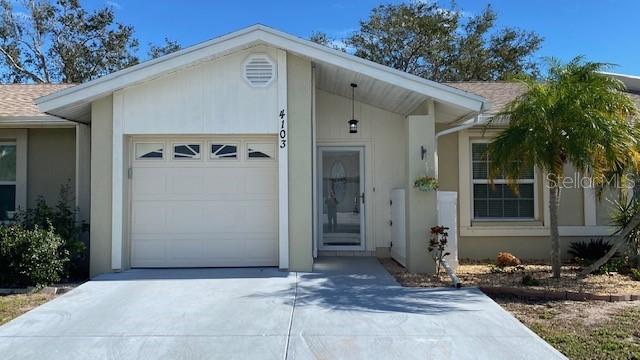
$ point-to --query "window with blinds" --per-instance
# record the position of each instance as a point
(500, 201)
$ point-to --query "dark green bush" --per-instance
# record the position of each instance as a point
(30, 257)
(588, 252)
(616, 264)
(635, 274)
(528, 280)
(63, 217)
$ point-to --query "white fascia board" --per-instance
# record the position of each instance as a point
(245, 38)
(392, 76)
(34, 121)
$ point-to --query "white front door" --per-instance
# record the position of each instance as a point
(341, 198)
(204, 202)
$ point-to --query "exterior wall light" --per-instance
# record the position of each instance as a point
(353, 123)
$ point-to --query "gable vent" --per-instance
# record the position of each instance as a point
(259, 70)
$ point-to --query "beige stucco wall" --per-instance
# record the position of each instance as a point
(382, 135)
(524, 247)
(605, 205)
(571, 212)
(420, 207)
(300, 160)
(447, 161)
(528, 247)
(51, 163)
(101, 170)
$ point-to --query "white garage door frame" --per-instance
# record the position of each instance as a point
(120, 165)
(165, 168)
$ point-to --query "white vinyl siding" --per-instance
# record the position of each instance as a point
(500, 201)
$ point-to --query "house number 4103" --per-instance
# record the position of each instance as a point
(283, 130)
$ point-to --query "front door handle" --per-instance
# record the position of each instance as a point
(362, 197)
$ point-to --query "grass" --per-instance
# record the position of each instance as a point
(583, 330)
(12, 306)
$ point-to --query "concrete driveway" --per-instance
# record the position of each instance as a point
(348, 308)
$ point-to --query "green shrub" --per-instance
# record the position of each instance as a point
(30, 257)
(528, 280)
(63, 218)
(588, 252)
(617, 264)
(635, 274)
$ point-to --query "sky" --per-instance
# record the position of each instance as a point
(601, 30)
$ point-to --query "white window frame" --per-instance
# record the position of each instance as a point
(18, 138)
(473, 181)
(14, 182)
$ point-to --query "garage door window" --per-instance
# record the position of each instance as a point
(257, 151)
(186, 151)
(223, 151)
(149, 151)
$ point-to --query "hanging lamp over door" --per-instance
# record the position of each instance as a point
(353, 123)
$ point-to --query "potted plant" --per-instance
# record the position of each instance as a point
(426, 183)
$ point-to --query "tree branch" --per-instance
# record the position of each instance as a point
(19, 68)
(619, 239)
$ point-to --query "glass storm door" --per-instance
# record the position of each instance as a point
(341, 198)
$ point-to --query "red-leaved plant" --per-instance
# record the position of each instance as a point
(438, 244)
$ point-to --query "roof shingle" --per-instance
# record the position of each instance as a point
(19, 99)
(500, 93)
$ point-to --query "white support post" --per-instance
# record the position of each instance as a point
(283, 163)
(116, 184)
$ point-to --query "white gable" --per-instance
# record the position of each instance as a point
(211, 97)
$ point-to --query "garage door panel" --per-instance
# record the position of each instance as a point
(204, 213)
(226, 250)
(151, 252)
(260, 181)
(260, 215)
(149, 217)
(149, 181)
(185, 181)
(223, 180)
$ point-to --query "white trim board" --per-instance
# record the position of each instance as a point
(117, 194)
(534, 230)
(283, 162)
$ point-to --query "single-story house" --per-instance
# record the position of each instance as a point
(259, 148)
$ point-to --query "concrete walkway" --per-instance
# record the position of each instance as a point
(348, 308)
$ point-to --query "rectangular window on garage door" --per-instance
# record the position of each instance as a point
(221, 151)
(186, 151)
(261, 151)
(149, 151)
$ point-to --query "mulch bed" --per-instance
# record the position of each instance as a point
(508, 281)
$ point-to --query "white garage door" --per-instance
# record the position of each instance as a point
(204, 202)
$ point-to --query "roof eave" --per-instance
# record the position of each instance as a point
(247, 37)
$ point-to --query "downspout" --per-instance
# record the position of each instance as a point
(476, 120)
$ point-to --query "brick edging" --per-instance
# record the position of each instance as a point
(535, 294)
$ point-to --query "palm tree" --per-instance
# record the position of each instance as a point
(575, 115)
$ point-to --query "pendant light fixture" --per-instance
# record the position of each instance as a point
(353, 123)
